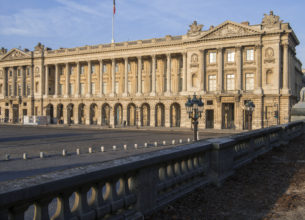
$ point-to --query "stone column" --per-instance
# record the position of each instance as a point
(202, 70)
(239, 68)
(47, 80)
(258, 81)
(168, 74)
(113, 78)
(22, 81)
(126, 77)
(153, 75)
(77, 86)
(67, 80)
(139, 92)
(286, 67)
(56, 80)
(89, 79)
(31, 69)
(13, 82)
(220, 70)
(41, 82)
(4, 82)
(184, 60)
(101, 78)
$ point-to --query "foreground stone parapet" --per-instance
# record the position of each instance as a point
(141, 184)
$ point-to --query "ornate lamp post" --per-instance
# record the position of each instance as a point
(194, 108)
(249, 106)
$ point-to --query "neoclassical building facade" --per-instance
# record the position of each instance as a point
(146, 82)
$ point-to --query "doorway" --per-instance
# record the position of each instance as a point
(209, 118)
(228, 116)
(15, 113)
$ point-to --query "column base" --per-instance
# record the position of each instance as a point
(112, 94)
(152, 94)
(258, 91)
(286, 91)
(125, 95)
(139, 94)
(88, 95)
(167, 93)
(55, 96)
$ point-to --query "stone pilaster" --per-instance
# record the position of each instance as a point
(239, 68)
(153, 75)
(47, 80)
(14, 82)
(286, 68)
(184, 60)
(258, 78)
(56, 80)
(113, 77)
(5, 81)
(125, 77)
(77, 86)
(220, 70)
(139, 92)
(202, 71)
(89, 80)
(67, 80)
(101, 78)
(168, 75)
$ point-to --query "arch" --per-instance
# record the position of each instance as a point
(70, 113)
(175, 115)
(60, 114)
(81, 114)
(106, 114)
(118, 115)
(159, 115)
(145, 115)
(50, 113)
(93, 114)
(131, 115)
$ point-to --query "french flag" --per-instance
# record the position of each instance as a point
(113, 6)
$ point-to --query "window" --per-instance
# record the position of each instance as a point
(93, 69)
(210, 102)
(71, 89)
(82, 69)
(104, 87)
(230, 82)
(71, 70)
(250, 55)
(212, 83)
(60, 89)
(104, 68)
(213, 57)
(116, 67)
(93, 88)
(231, 56)
(82, 89)
(249, 81)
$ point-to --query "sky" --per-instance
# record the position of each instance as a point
(74, 23)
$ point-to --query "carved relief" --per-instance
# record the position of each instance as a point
(194, 60)
(195, 29)
(271, 20)
(3, 51)
(39, 47)
(37, 71)
(269, 55)
(15, 54)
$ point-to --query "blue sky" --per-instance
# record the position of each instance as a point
(72, 23)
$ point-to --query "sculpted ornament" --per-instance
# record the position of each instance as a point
(39, 47)
(195, 29)
(271, 20)
(3, 50)
(302, 95)
(269, 55)
(194, 60)
(230, 30)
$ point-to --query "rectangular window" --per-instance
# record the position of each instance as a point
(249, 81)
(231, 56)
(230, 82)
(116, 87)
(60, 89)
(116, 67)
(93, 88)
(104, 68)
(92, 69)
(71, 70)
(82, 89)
(250, 55)
(82, 69)
(71, 89)
(104, 87)
(213, 57)
(212, 83)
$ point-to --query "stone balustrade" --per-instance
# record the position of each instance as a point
(132, 187)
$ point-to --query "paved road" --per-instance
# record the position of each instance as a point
(16, 140)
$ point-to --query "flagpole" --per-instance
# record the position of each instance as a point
(112, 28)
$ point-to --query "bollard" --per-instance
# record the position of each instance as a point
(156, 144)
(7, 157)
(102, 149)
(173, 142)
(145, 144)
(64, 152)
(41, 155)
(90, 150)
(136, 146)
(164, 142)
(188, 140)
(25, 156)
(125, 146)
(114, 147)
(180, 141)
(77, 151)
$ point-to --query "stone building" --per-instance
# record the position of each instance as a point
(147, 82)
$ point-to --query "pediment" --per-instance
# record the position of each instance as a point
(230, 29)
(15, 54)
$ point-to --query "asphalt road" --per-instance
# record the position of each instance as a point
(16, 140)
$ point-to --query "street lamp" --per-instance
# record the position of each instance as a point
(249, 106)
(194, 108)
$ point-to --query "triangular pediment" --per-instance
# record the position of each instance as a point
(14, 54)
(230, 29)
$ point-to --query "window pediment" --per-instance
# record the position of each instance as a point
(15, 54)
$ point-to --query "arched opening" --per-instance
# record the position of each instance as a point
(70, 114)
(93, 114)
(145, 115)
(49, 113)
(60, 114)
(118, 115)
(159, 115)
(194, 80)
(81, 114)
(131, 115)
(105, 115)
(175, 115)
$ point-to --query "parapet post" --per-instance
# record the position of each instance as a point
(222, 163)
